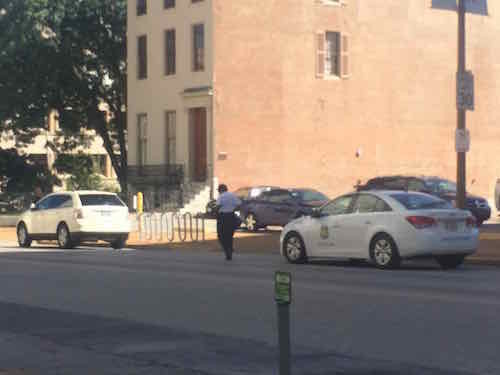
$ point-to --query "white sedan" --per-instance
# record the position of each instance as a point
(71, 217)
(383, 227)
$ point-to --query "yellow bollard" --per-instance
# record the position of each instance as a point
(139, 203)
(139, 207)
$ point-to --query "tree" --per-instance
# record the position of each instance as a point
(69, 56)
(81, 171)
(20, 174)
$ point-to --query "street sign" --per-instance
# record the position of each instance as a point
(465, 91)
(283, 287)
(462, 140)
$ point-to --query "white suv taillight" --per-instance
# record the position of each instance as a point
(78, 213)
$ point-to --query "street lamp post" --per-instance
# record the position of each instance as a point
(461, 117)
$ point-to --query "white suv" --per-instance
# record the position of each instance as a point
(71, 217)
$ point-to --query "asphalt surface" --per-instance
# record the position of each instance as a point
(100, 311)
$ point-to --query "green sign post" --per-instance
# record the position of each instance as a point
(283, 287)
(283, 298)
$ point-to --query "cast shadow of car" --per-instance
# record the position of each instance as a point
(407, 265)
(52, 246)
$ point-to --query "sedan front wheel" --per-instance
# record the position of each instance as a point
(23, 237)
(294, 248)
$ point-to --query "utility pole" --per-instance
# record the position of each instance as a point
(461, 180)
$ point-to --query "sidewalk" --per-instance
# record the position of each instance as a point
(266, 242)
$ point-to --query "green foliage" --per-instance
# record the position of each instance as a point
(19, 173)
(112, 188)
(68, 55)
(80, 168)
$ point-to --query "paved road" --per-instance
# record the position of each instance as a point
(101, 311)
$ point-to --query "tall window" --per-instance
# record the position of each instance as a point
(332, 53)
(168, 4)
(142, 57)
(198, 47)
(142, 7)
(170, 121)
(142, 138)
(170, 52)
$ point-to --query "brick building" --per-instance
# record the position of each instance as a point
(317, 93)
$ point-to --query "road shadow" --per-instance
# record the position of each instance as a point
(99, 344)
(261, 242)
(413, 265)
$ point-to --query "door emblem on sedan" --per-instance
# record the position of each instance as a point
(324, 232)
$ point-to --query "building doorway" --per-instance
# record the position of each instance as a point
(198, 146)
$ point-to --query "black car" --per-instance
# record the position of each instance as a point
(279, 207)
(244, 193)
(436, 186)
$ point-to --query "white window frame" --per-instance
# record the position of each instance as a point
(333, 2)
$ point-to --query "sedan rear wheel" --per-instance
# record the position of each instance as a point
(64, 237)
(119, 243)
(384, 252)
(251, 222)
(294, 248)
(448, 262)
(23, 237)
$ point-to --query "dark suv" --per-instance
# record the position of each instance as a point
(436, 186)
(279, 207)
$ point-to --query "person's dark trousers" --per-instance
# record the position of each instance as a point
(225, 231)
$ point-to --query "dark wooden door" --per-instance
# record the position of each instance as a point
(199, 143)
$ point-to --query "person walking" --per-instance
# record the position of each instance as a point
(227, 203)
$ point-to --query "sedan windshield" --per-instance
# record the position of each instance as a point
(420, 201)
(440, 186)
(100, 200)
(309, 195)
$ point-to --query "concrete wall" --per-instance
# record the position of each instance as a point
(279, 124)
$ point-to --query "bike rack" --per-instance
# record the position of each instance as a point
(181, 238)
(164, 219)
(145, 226)
(158, 225)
